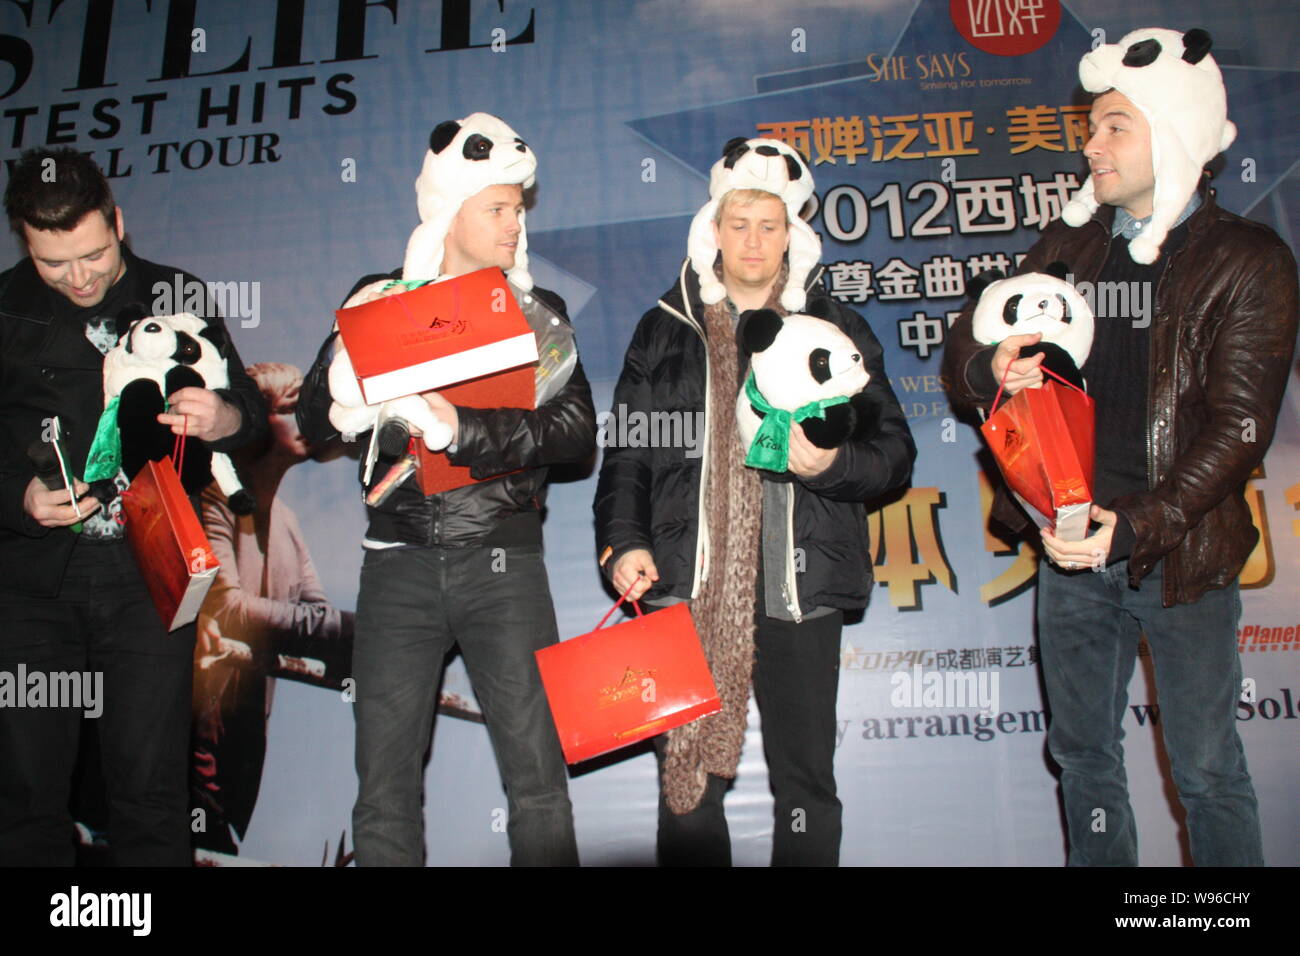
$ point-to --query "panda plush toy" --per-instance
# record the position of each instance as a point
(155, 356)
(464, 157)
(1036, 302)
(802, 369)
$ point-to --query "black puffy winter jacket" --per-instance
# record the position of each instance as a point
(651, 497)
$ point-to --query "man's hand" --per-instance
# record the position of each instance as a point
(1091, 552)
(635, 566)
(210, 417)
(1024, 373)
(445, 411)
(806, 459)
(207, 645)
(53, 509)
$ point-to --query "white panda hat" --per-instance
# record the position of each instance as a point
(773, 167)
(465, 157)
(1173, 80)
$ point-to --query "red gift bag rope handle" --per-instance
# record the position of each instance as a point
(1003, 384)
(178, 446)
(635, 604)
(178, 457)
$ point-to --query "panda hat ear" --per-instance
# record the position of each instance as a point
(1059, 270)
(975, 288)
(127, 317)
(818, 308)
(758, 329)
(1196, 44)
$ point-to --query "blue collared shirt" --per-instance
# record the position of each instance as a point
(1131, 228)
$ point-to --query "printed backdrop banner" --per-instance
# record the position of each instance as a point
(271, 149)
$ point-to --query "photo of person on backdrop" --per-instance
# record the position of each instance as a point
(464, 567)
(769, 564)
(1185, 410)
(265, 616)
(72, 599)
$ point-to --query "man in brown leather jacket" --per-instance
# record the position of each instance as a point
(1186, 400)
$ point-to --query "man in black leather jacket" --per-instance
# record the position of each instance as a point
(1186, 400)
(74, 601)
(465, 566)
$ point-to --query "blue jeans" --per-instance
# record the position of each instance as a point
(414, 604)
(1088, 628)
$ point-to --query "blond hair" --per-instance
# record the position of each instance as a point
(279, 383)
(745, 197)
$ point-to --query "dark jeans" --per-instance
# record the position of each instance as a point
(1088, 627)
(796, 680)
(414, 604)
(101, 622)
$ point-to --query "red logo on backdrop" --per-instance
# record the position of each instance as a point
(1006, 27)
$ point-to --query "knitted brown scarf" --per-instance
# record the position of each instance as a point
(724, 610)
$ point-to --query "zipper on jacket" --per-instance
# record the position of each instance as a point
(1170, 578)
(699, 566)
(791, 582)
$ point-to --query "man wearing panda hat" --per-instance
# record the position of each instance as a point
(769, 563)
(433, 569)
(1186, 400)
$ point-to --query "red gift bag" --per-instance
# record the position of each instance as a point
(436, 335)
(170, 547)
(611, 688)
(1043, 440)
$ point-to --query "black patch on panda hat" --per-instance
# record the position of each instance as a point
(792, 169)
(1196, 44)
(767, 151)
(1058, 269)
(477, 147)
(443, 134)
(734, 149)
(757, 329)
(521, 145)
(1142, 53)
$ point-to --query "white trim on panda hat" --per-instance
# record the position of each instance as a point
(773, 167)
(464, 158)
(1173, 80)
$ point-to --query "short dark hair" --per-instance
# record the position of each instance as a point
(59, 201)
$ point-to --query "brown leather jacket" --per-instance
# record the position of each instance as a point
(1223, 330)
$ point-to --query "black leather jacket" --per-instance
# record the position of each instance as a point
(651, 497)
(1222, 337)
(491, 442)
(48, 367)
